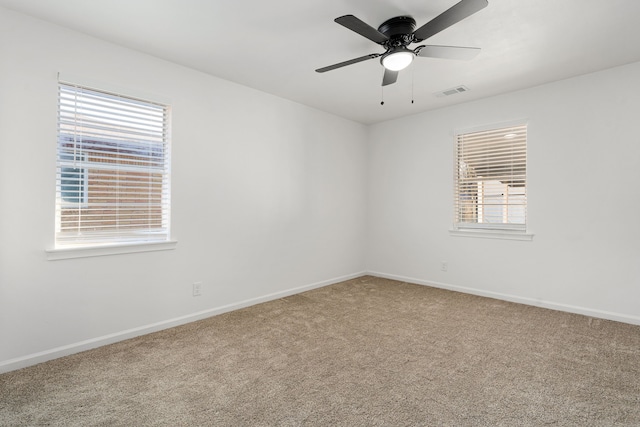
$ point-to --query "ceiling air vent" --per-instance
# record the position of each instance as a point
(452, 91)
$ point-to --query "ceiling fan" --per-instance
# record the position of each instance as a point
(396, 34)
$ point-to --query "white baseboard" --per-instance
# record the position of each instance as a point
(66, 350)
(600, 314)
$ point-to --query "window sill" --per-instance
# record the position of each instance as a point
(85, 252)
(492, 234)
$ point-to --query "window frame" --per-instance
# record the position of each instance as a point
(112, 246)
(502, 230)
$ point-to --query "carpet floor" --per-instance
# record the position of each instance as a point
(365, 352)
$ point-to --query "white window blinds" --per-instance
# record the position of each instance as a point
(490, 179)
(112, 183)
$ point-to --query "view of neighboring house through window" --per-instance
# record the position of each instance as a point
(73, 181)
(112, 169)
(490, 179)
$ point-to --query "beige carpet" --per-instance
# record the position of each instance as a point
(367, 352)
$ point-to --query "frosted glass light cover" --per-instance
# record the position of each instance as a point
(398, 61)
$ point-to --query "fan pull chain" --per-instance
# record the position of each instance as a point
(381, 95)
(413, 73)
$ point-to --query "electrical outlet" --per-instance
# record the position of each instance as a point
(444, 265)
(197, 289)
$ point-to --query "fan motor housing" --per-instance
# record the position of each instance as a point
(398, 26)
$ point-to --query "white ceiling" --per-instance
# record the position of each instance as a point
(275, 46)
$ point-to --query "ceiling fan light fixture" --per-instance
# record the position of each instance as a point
(398, 59)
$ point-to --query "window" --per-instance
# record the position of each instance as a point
(112, 183)
(490, 179)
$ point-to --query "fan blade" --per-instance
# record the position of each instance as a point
(349, 62)
(448, 52)
(362, 28)
(455, 14)
(390, 77)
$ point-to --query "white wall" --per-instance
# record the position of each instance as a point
(583, 201)
(268, 198)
